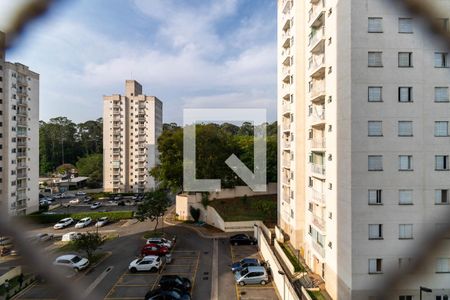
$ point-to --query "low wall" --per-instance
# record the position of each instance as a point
(14, 272)
(284, 287)
(214, 219)
(284, 257)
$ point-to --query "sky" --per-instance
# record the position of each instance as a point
(190, 54)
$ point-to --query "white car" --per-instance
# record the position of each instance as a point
(96, 205)
(102, 222)
(80, 194)
(63, 223)
(4, 240)
(74, 201)
(75, 262)
(43, 237)
(70, 236)
(147, 263)
(160, 241)
(83, 222)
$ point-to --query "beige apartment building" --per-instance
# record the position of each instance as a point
(132, 124)
(19, 136)
(363, 114)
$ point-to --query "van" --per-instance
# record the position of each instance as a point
(252, 275)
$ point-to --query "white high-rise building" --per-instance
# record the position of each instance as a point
(19, 136)
(363, 114)
(132, 124)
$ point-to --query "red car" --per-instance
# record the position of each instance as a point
(154, 249)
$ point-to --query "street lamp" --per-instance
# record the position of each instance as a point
(424, 289)
(284, 283)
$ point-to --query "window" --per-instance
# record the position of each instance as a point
(405, 197)
(444, 23)
(405, 128)
(375, 128)
(442, 297)
(405, 162)
(375, 93)
(375, 162)
(375, 265)
(408, 297)
(405, 25)
(443, 265)
(375, 25)
(441, 94)
(405, 94)
(375, 231)
(405, 59)
(375, 59)
(441, 162)
(375, 197)
(441, 196)
(440, 59)
(441, 128)
(405, 231)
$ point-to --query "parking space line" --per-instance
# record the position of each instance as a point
(196, 269)
(235, 285)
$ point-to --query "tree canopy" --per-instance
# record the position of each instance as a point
(214, 144)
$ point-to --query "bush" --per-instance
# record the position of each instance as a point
(53, 218)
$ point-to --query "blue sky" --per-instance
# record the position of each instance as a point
(191, 53)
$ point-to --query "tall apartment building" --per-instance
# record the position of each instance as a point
(363, 112)
(132, 124)
(19, 136)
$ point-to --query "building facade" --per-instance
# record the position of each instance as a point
(19, 136)
(363, 114)
(132, 124)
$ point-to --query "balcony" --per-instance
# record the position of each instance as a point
(287, 5)
(319, 249)
(116, 111)
(286, 163)
(286, 194)
(21, 154)
(21, 175)
(317, 66)
(22, 112)
(21, 165)
(116, 124)
(286, 108)
(116, 146)
(285, 53)
(22, 102)
(22, 81)
(21, 133)
(318, 90)
(318, 197)
(318, 116)
(319, 222)
(316, 13)
(318, 169)
(21, 144)
(318, 143)
(286, 126)
(286, 144)
(317, 40)
(22, 122)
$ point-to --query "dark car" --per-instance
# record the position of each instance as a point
(154, 249)
(243, 263)
(173, 294)
(168, 282)
(242, 239)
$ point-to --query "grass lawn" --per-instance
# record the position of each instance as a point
(262, 208)
(293, 259)
(316, 295)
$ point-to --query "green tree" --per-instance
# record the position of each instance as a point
(154, 206)
(89, 243)
(195, 213)
(92, 167)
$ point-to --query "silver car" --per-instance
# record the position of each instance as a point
(252, 275)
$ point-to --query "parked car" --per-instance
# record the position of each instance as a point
(154, 249)
(252, 275)
(96, 205)
(242, 239)
(74, 201)
(57, 196)
(150, 263)
(117, 198)
(244, 263)
(77, 263)
(43, 202)
(168, 282)
(87, 199)
(4, 240)
(173, 294)
(63, 223)
(102, 222)
(71, 236)
(84, 222)
(160, 241)
(43, 237)
(80, 193)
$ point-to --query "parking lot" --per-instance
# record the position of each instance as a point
(253, 292)
(135, 286)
